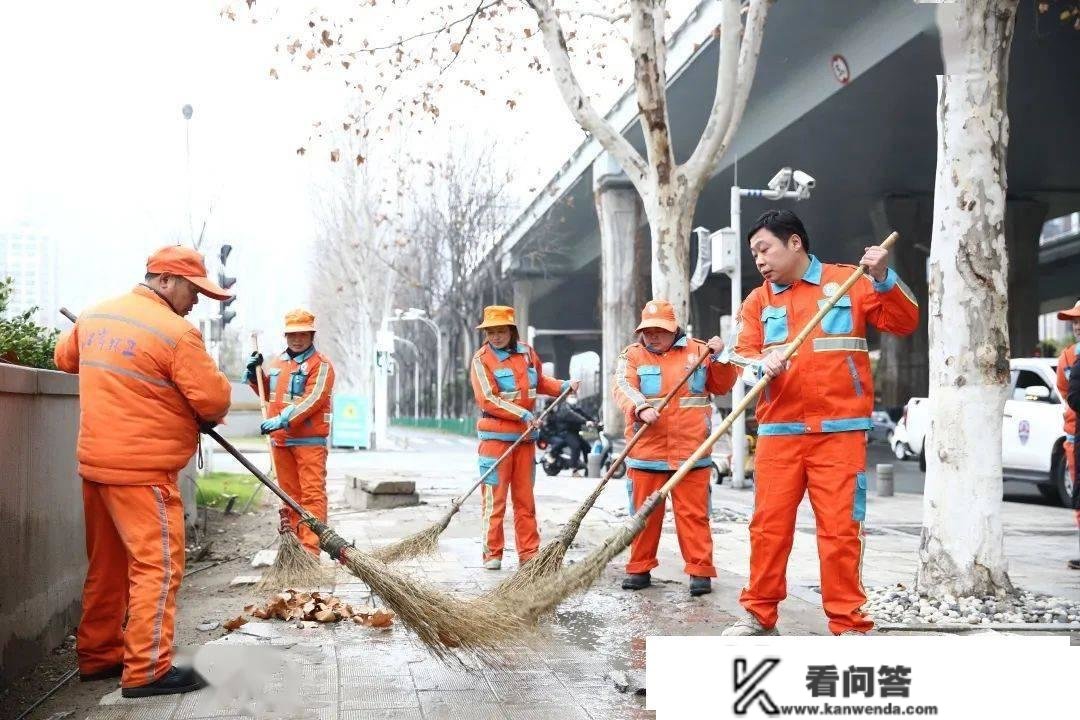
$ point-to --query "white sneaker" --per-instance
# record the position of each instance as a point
(855, 632)
(493, 564)
(748, 625)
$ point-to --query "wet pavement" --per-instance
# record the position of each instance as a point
(592, 658)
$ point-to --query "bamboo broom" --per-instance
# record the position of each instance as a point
(535, 602)
(550, 558)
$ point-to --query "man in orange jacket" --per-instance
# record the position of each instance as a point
(145, 385)
(813, 416)
(1064, 370)
(506, 377)
(646, 371)
(297, 388)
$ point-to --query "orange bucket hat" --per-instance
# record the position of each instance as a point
(1072, 313)
(299, 320)
(658, 314)
(188, 264)
(497, 316)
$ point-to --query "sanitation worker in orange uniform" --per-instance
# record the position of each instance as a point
(646, 371)
(298, 386)
(813, 416)
(1066, 362)
(146, 384)
(506, 377)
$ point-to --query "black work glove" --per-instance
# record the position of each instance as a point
(255, 361)
(206, 425)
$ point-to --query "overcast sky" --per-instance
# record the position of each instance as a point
(93, 143)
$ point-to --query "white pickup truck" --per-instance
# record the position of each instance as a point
(1032, 432)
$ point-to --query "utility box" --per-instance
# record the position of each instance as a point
(725, 251)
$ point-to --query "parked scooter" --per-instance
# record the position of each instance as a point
(593, 436)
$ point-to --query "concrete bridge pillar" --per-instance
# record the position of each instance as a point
(1024, 219)
(620, 215)
(903, 369)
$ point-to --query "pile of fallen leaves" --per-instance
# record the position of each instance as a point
(294, 606)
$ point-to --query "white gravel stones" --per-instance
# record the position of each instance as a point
(902, 605)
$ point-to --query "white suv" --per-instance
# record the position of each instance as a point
(1032, 429)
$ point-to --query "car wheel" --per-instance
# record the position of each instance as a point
(714, 474)
(922, 458)
(1060, 490)
(899, 451)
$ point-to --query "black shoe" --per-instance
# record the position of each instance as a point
(177, 680)
(636, 581)
(1074, 564)
(700, 585)
(110, 672)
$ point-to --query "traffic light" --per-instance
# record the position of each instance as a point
(225, 315)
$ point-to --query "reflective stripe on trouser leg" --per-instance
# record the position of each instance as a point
(779, 485)
(150, 520)
(523, 475)
(643, 547)
(311, 471)
(833, 463)
(494, 500)
(288, 479)
(690, 505)
(100, 641)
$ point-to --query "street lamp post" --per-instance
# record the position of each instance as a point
(421, 315)
(416, 375)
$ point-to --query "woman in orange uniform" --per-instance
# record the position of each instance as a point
(506, 378)
(646, 372)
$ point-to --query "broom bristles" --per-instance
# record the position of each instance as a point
(441, 621)
(418, 544)
(545, 563)
(294, 567)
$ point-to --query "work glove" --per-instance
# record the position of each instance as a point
(255, 361)
(207, 425)
(271, 424)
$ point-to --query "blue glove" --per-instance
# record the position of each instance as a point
(271, 424)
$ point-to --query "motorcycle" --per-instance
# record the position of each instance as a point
(595, 438)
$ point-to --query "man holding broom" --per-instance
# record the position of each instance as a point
(145, 384)
(813, 416)
(646, 371)
(297, 389)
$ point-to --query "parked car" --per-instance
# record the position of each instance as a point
(1032, 436)
(883, 426)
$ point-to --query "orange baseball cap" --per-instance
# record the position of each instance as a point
(497, 316)
(188, 264)
(658, 314)
(299, 320)
(1072, 313)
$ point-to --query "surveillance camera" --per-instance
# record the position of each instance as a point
(804, 180)
(781, 180)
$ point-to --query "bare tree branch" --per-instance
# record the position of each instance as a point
(428, 33)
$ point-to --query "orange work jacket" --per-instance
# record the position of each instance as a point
(505, 385)
(1065, 362)
(300, 389)
(145, 379)
(829, 387)
(642, 377)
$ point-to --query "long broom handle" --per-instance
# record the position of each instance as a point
(521, 438)
(274, 488)
(751, 396)
(263, 410)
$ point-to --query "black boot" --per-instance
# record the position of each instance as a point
(700, 585)
(636, 581)
(110, 672)
(177, 680)
(1074, 564)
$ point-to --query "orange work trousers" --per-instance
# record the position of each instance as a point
(832, 466)
(1070, 466)
(690, 503)
(515, 476)
(135, 549)
(301, 472)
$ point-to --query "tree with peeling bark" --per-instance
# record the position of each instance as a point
(962, 549)
(669, 190)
